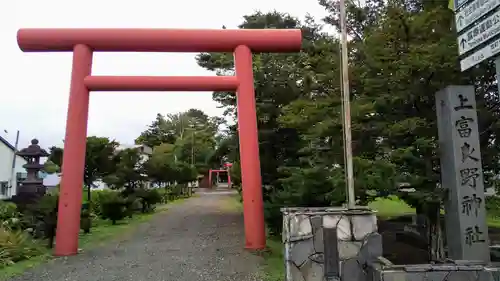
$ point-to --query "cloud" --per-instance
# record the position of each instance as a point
(35, 86)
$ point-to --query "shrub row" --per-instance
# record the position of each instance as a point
(493, 206)
(21, 232)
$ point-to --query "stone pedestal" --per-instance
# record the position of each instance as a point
(466, 271)
(323, 244)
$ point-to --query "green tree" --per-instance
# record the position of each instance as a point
(157, 133)
(50, 167)
(401, 53)
(185, 172)
(288, 143)
(98, 159)
(196, 137)
(128, 171)
(159, 168)
(56, 156)
(196, 148)
(99, 156)
(193, 133)
(226, 148)
(163, 168)
(420, 38)
(181, 123)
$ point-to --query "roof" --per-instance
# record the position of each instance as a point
(4, 141)
(145, 149)
(9, 145)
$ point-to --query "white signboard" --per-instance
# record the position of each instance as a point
(473, 11)
(483, 31)
(487, 52)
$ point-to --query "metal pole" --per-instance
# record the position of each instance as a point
(13, 183)
(343, 128)
(192, 148)
(351, 200)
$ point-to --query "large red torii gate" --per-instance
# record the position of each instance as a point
(83, 42)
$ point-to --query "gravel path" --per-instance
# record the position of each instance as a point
(198, 240)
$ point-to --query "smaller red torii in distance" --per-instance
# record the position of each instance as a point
(228, 167)
(210, 172)
(84, 42)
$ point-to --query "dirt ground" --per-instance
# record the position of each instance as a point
(200, 239)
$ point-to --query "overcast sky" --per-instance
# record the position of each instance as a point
(35, 86)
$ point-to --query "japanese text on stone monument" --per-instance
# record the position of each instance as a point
(469, 170)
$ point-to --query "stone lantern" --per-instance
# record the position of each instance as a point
(33, 184)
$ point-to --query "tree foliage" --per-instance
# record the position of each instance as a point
(127, 170)
(189, 139)
(183, 146)
(163, 168)
(157, 133)
(98, 159)
(99, 156)
(401, 52)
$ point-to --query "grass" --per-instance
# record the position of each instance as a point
(102, 230)
(273, 268)
(101, 233)
(390, 207)
(232, 203)
(393, 206)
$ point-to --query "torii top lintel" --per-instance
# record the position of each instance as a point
(159, 40)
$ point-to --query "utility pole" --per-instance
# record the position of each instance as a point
(192, 148)
(13, 168)
(346, 106)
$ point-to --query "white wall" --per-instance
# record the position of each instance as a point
(6, 155)
(18, 169)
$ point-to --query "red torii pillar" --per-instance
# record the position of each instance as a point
(83, 42)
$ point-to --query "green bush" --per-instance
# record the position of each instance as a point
(235, 172)
(98, 197)
(238, 188)
(42, 217)
(86, 221)
(493, 206)
(163, 194)
(176, 191)
(16, 246)
(132, 205)
(113, 207)
(10, 218)
(149, 198)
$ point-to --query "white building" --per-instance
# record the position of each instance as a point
(9, 175)
(144, 150)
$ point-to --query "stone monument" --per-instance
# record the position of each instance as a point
(462, 174)
(342, 244)
(465, 212)
(33, 184)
